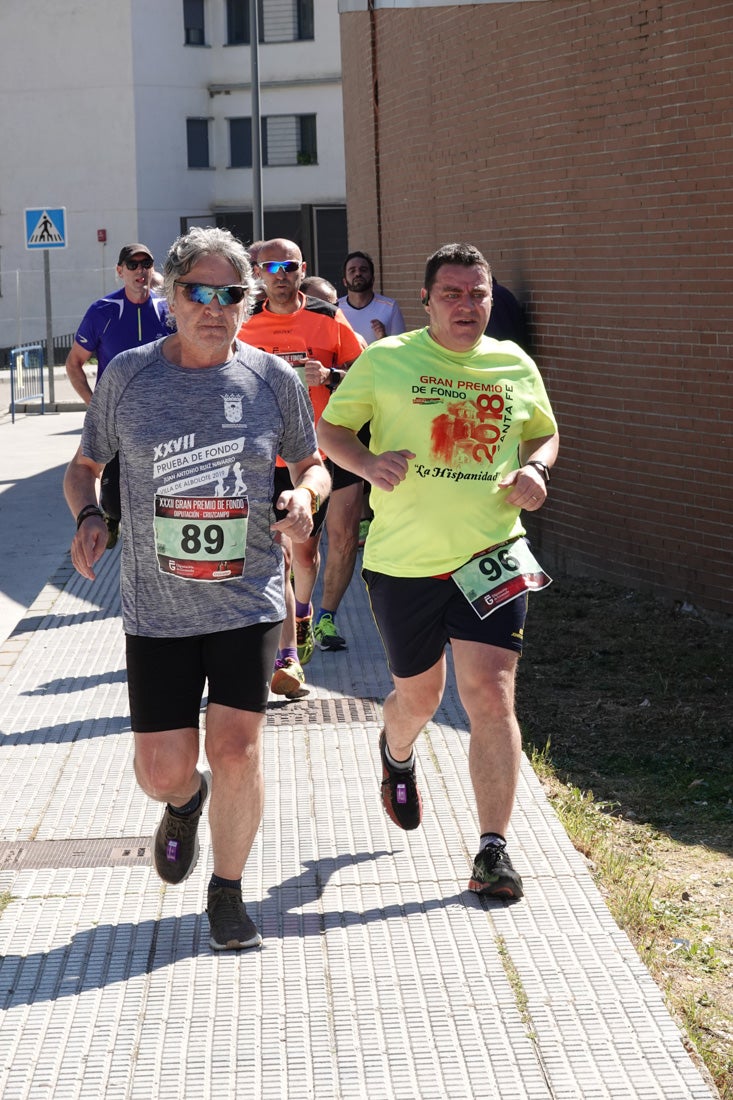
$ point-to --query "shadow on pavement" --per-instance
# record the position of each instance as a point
(106, 954)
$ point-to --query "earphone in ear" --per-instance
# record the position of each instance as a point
(425, 299)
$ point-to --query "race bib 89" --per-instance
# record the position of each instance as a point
(201, 538)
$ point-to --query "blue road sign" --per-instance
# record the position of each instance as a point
(45, 227)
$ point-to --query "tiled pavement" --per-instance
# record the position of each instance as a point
(380, 975)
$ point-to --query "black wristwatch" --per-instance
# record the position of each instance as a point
(543, 468)
(87, 511)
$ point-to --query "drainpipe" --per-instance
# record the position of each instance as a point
(375, 131)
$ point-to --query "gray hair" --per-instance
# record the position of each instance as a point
(191, 247)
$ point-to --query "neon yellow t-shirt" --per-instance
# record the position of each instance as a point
(463, 414)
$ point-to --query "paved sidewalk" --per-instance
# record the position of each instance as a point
(380, 975)
(35, 523)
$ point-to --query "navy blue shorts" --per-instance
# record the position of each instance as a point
(166, 676)
(418, 616)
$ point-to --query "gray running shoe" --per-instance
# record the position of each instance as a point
(231, 928)
(175, 844)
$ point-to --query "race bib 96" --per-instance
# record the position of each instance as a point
(490, 580)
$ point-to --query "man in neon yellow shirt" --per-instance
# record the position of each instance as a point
(462, 440)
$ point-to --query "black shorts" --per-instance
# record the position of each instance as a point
(283, 482)
(109, 496)
(166, 676)
(418, 616)
(342, 477)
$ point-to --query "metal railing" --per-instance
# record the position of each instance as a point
(61, 347)
(26, 376)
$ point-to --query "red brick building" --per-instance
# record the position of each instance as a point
(587, 149)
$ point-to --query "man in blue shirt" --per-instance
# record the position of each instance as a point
(115, 323)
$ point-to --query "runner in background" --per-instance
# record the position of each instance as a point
(315, 338)
(128, 317)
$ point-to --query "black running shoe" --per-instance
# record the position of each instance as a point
(175, 844)
(493, 874)
(400, 796)
(113, 531)
(231, 928)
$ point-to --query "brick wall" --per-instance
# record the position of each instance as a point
(586, 148)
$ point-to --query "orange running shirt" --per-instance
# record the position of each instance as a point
(317, 329)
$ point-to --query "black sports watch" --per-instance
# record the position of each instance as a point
(543, 468)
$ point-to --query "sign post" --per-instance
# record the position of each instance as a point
(45, 228)
(50, 358)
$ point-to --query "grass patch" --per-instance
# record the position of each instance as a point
(515, 981)
(626, 711)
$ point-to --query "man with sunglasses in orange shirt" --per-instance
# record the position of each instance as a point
(122, 320)
(317, 340)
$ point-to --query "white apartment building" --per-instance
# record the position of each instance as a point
(133, 117)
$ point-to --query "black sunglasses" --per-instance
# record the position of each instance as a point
(133, 265)
(204, 294)
(273, 266)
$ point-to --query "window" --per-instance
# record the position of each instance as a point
(289, 139)
(279, 21)
(197, 140)
(238, 22)
(240, 142)
(193, 23)
(307, 149)
(305, 19)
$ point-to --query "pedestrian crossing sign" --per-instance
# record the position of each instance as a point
(45, 227)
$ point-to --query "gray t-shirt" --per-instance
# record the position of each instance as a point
(197, 458)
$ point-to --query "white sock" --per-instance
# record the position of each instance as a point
(400, 765)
